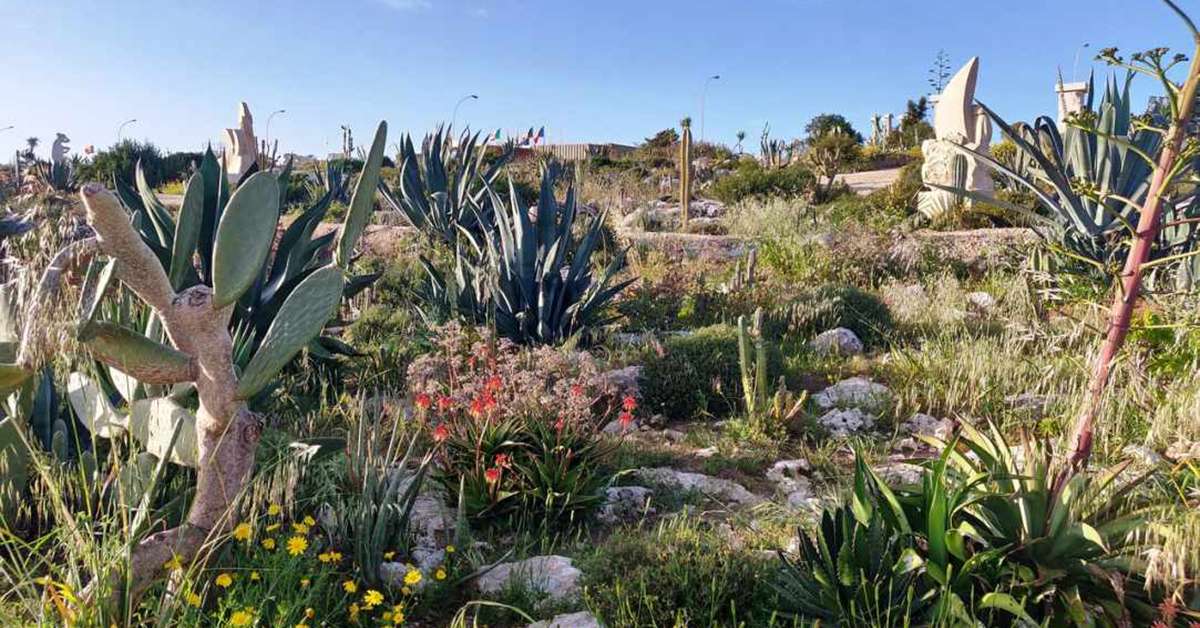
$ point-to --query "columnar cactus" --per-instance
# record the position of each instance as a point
(685, 171)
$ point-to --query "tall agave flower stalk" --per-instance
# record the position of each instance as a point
(1170, 164)
(685, 171)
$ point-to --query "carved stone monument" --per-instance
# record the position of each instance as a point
(59, 149)
(241, 147)
(956, 119)
(1071, 98)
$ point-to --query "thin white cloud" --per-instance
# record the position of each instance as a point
(406, 5)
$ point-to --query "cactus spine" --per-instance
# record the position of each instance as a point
(685, 171)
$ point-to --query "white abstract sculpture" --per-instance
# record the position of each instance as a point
(956, 119)
(59, 149)
(241, 147)
(1071, 98)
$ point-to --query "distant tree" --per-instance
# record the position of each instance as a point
(827, 156)
(662, 139)
(121, 159)
(913, 125)
(915, 111)
(827, 123)
(940, 72)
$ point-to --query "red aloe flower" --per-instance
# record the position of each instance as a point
(629, 403)
(444, 403)
(423, 401)
(576, 390)
(492, 475)
(440, 433)
(626, 418)
(502, 460)
(494, 383)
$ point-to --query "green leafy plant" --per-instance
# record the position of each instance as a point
(828, 306)
(532, 277)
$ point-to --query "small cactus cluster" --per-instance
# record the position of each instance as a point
(784, 407)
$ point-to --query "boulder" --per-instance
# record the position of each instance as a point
(625, 503)
(855, 393)
(981, 301)
(582, 619)
(899, 473)
(837, 341)
(843, 423)
(925, 425)
(553, 576)
(718, 488)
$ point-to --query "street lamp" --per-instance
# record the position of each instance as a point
(121, 128)
(462, 100)
(703, 91)
(267, 134)
(1076, 64)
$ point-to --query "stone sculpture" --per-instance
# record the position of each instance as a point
(959, 120)
(59, 149)
(241, 147)
(1071, 98)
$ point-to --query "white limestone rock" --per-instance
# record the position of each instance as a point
(625, 503)
(582, 619)
(856, 393)
(843, 423)
(837, 341)
(718, 488)
(554, 576)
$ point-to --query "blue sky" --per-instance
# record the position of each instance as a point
(588, 70)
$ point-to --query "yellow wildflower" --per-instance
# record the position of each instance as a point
(241, 618)
(412, 577)
(273, 527)
(309, 613)
(242, 532)
(304, 582)
(406, 590)
(309, 521)
(192, 599)
(449, 549)
(440, 574)
(274, 510)
(397, 618)
(224, 580)
(268, 544)
(175, 564)
(372, 598)
(300, 528)
(354, 612)
(296, 545)
(254, 576)
(389, 555)
(386, 616)
(349, 586)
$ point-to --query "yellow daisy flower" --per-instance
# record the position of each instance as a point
(224, 580)
(449, 549)
(349, 586)
(192, 599)
(300, 528)
(175, 564)
(296, 545)
(309, 521)
(274, 510)
(389, 555)
(242, 532)
(241, 618)
(309, 613)
(372, 598)
(254, 576)
(304, 582)
(268, 544)
(273, 527)
(440, 574)
(412, 577)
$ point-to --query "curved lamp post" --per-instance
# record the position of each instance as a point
(121, 128)
(454, 116)
(267, 132)
(703, 91)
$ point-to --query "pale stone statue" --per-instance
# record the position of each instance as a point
(59, 149)
(877, 137)
(956, 119)
(1071, 98)
(241, 147)
(889, 125)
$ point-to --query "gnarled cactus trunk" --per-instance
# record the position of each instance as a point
(227, 432)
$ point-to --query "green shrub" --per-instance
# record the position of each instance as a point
(682, 573)
(899, 200)
(121, 159)
(829, 306)
(752, 180)
(697, 374)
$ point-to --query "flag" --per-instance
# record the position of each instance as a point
(541, 135)
(497, 135)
